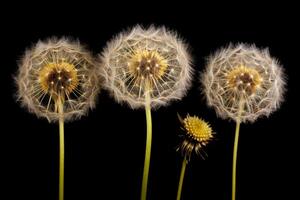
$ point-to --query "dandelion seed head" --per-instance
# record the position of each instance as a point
(243, 73)
(150, 60)
(57, 70)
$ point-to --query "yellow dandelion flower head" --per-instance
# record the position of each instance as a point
(243, 73)
(197, 129)
(150, 60)
(57, 70)
(198, 133)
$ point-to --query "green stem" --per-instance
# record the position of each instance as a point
(235, 149)
(184, 163)
(148, 147)
(61, 150)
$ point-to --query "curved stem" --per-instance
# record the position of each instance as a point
(148, 147)
(61, 149)
(184, 163)
(235, 149)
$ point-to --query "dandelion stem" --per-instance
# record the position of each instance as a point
(235, 149)
(184, 163)
(61, 149)
(148, 147)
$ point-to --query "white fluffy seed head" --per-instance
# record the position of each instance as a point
(246, 73)
(143, 60)
(57, 69)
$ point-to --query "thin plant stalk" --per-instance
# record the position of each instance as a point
(61, 149)
(235, 149)
(182, 173)
(148, 146)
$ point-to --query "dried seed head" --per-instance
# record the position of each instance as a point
(243, 73)
(57, 70)
(150, 60)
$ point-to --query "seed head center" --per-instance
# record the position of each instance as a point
(58, 79)
(244, 79)
(147, 65)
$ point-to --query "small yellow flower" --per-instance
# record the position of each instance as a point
(198, 133)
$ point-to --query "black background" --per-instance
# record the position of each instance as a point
(105, 150)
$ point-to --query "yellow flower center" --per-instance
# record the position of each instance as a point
(244, 79)
(58, 79)
(198, 129)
